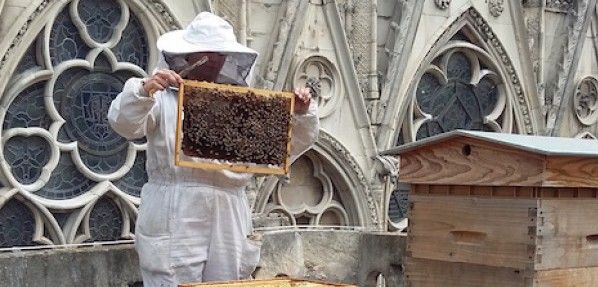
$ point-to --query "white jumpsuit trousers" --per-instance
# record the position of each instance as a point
(193, 224)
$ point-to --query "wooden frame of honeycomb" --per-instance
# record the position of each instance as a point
(215, 106)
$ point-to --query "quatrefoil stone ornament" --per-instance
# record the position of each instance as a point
(585, 101)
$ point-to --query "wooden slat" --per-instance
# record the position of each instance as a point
(571, 172)
(572, 277)
(233, 167)
(486, 164)
(506, 191)
(488, 231)
(180, 159)
(432, 273)
(567, 233)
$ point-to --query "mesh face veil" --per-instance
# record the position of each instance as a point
(222, 68)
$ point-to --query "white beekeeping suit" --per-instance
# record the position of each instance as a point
(193, 224)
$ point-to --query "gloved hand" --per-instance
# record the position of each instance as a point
(302, 100)
(161, 80)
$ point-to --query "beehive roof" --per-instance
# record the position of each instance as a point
(551, 146)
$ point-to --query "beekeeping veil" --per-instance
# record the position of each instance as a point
(209, 33)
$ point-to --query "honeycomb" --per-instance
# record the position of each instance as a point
(235, 127)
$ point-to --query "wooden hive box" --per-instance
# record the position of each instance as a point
(236, 128)
(490, 208)
(278, 282)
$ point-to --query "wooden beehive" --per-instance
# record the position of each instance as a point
(491, 209)
(235, 128)
(279, 282)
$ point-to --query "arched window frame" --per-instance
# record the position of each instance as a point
(72, 220)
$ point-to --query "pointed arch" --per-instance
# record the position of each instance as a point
(469, 34)
(340, 177)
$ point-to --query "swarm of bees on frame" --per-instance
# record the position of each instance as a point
(235, 127)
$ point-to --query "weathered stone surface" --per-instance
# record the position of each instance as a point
(85, 266)
(334, 255)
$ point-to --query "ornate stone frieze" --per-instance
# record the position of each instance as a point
(164, 13)
(17, 40)
(559, 5)
(484, 29)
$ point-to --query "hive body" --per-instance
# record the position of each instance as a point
(501, 210)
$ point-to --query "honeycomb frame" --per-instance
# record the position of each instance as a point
(211, 163)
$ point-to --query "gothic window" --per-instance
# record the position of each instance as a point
(311, 197)
(461, 88)
(451, 96)
(57, 145)
(465, 82)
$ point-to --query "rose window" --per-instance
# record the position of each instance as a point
(459, 90)
(68, 177)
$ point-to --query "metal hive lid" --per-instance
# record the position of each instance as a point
(551, 146)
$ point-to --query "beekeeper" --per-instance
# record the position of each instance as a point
(194, 225)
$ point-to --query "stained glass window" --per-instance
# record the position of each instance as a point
(17, 225)
(80, 88)
(66, 181)
(65, 41)
(105, 221)
(28, 109)
(398, 205)
(133, 47)
(28, 61)
(459, 103)
(100, 18)
(132, 182)
(26, 157)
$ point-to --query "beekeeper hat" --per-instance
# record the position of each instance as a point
(206, 33)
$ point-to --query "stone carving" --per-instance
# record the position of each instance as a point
(586, 136)
(442, 4)
(280, 42)
(317, 204)
(489, 37)
(348, 160)
(485, 31)
(80, 153)
(571, 51)
(443, 89)
(155, 5)
(315, 87)
(164, 14)
(318, 69)
(496, 7)
(560, 5)
(17, 40)
(585, 101)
